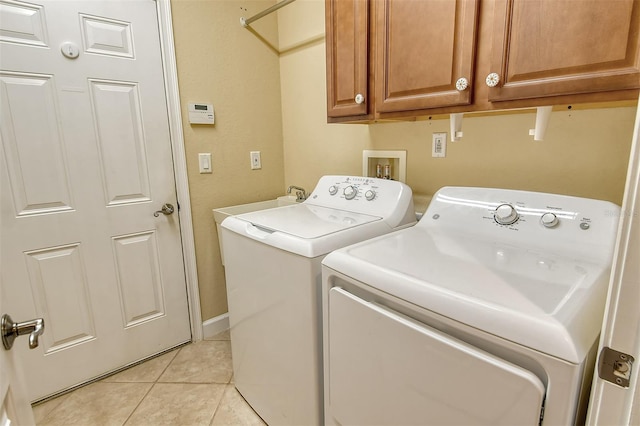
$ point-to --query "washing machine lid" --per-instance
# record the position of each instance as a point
(542, 301)
(305, 220)
(306, 229)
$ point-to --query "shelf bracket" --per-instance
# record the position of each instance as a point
(542, 120)
(455, 122)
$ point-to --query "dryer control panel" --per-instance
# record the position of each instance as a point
(563, 223)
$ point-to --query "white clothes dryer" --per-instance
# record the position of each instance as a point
(273, 273)
(487, 312)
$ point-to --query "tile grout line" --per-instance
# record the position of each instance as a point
(224, 393)
(215, 411)
(153, 384)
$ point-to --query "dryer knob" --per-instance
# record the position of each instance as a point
(505, 214)
(333, 190)
(370, 195)
(549, 220)
(350, 192)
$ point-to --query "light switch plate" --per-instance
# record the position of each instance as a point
(204, 161)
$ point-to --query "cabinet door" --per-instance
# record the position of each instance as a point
(423, 48)
(563, 47)
(347, 36)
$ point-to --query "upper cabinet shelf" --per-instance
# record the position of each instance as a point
(409, 58)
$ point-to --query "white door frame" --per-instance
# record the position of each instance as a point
(167, 48)
(612, 404)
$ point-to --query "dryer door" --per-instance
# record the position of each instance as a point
(388, 369)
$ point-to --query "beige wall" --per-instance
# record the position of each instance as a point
(585, 152)
(238, 71)
(276, 103)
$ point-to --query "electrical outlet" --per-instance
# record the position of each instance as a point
(439, 145)
(256, 162)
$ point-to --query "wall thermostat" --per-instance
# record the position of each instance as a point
(201, 113)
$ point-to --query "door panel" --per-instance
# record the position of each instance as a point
(387, 369)
(86, 161)
(139, 280)
(23, 23)
(120, 134)
(36, 156)
(54, 274)
(106, 36)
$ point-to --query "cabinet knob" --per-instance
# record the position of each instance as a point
(359, 98)
(493, 79)
(462, 84)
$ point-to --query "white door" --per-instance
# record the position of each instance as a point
(612, 404)
(86, 161)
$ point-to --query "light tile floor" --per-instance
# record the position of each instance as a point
(192, 385)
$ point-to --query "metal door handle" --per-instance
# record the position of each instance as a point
(167, 209)
(11, 330)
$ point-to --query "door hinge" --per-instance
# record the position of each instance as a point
(615, 367)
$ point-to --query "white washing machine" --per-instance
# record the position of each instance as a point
(487, 312)
(273, 273)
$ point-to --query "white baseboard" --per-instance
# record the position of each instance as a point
(215, 325)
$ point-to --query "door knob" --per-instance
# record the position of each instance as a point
(11, 330)
(359, 98)
(167, 209)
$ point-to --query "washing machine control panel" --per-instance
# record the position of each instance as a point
(521, 217)
(376, 197)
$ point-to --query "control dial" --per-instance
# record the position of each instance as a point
(505, 214)
(333, 190)
(370, 195)
(549, 220)
(350, 192)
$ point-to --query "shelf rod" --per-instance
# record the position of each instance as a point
(245, 22)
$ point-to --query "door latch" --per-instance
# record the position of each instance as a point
(167, 209)
(615, 367)
(11, 330)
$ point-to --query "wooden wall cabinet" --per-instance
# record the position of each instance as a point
(410, 56)
(424, 49)
(546, 48)
(347, 40)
